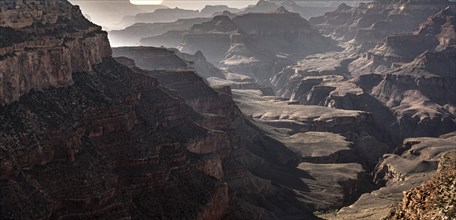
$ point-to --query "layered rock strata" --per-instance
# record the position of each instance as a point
(406, 81)
(108, 142)
(41, 50)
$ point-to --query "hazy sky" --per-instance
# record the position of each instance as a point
(195, 4)
(146, 2)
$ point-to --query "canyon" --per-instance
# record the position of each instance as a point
(254, 113)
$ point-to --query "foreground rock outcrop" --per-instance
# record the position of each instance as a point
(104, 148)
(66, 40)
(435, 198)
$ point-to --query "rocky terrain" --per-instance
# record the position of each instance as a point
(435, 199)
(406, 80)
(434, 34)
(213, 38)
(391, 89)
(291, 148)
(112, 143)
(368, 23)
(90, 132)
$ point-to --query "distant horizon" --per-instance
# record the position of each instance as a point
(200, 4)
(194, 4)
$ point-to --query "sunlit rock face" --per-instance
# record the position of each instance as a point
(43, 44)
(434, 198)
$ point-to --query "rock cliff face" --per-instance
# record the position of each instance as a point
(66, 43)
(118, 146)
(106, 143)
(435, 34)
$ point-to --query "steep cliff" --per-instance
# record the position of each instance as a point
(40, 50)
(107, 142)
(103, 153)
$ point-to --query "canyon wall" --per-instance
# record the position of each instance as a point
(28, 61)
(90, 138)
